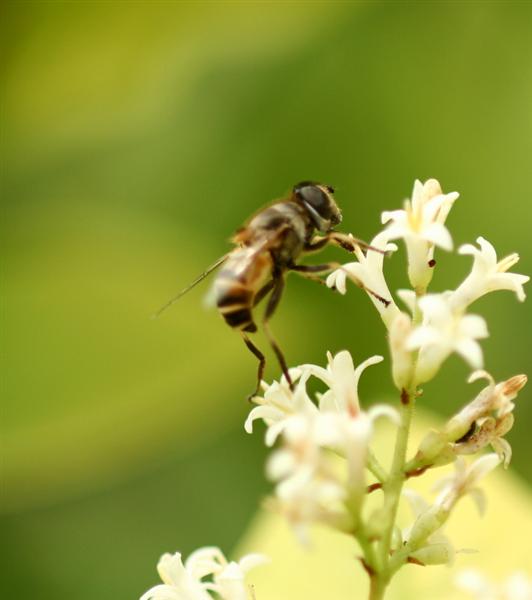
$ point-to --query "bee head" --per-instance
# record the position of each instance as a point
(319, 203)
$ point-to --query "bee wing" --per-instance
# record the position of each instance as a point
(198, 279)
(260, 240)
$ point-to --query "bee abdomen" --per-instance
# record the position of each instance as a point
(235, 307)
(240, 318)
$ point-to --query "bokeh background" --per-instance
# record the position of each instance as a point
(136, 137)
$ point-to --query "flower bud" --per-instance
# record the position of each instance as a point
(493, 402)
(426, 524)
(402, 366)
(511, 387)
(435, 554)
(445, 457)
(376, 523)
(431, 445)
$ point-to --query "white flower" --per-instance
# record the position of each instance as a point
(179, 583)
(279, 403)
(516, 587)
(308, 488)
(487, 275)
(350, 427)
(443, 332)
(368, 271)
(464, 481)
(342, 379)
(424, 538)
(402, 363)
(421, 225)
(230, 584)
(185, 582)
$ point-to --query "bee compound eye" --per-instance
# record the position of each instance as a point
(314, 196)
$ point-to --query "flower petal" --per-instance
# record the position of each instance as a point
(384, 410)
(473, 326)
(162, 592)
(488, 251)
(479, 498)
(205, 561)
(503, 450)
(471, 352)
(439, 235)
(250, 561)
(171, 569)
(482, 466)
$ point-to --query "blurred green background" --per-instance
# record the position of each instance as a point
(136, 137)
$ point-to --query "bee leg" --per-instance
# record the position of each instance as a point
(264, 290)
(309, 271)
(317, 244)
(278, 287)
(262, 363)
(323, 268)
(375, 295)
(347, 242)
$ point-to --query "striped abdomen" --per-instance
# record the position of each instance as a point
(237, 283)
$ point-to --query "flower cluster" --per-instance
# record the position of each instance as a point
(187, 581)
(310, 486)
(435, 325)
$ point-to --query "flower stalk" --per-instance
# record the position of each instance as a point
(393, 486)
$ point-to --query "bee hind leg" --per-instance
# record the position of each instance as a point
(264, 291)
(262, 363)
(273, 302)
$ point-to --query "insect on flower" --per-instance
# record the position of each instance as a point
(267, 247)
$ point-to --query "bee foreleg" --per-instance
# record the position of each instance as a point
(262, 362)
(317, 244)
(278, 287)
(349, 243)
(309, 270)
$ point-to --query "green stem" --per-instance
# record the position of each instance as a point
(377, 588)
(367, 549)
(393, 487)
(375, 467)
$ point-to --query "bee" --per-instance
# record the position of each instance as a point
(267, 247)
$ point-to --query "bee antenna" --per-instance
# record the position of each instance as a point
(190, 286)
(173, 300)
